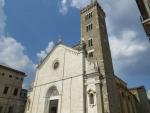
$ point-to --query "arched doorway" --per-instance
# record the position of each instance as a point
(52, 100)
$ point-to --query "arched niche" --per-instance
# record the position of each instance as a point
(91, 97)
(51, 100)
(52, 91)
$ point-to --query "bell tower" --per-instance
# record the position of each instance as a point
(94, 34)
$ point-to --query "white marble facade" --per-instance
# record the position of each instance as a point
(63, 83)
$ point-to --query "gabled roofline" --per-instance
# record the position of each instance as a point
(60, 44)
(11, 69)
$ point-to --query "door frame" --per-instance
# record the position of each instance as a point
(59, 102)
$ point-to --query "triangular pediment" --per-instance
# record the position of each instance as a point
(53, 50)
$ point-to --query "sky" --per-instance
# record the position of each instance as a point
(29, 29)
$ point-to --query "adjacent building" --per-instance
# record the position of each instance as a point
(144, 7)
(12, 96)
(81, 79)
(140, 94)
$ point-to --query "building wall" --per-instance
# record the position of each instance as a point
(13, 80)
(132, 100)
(129, 103)
(142, 98)
(67, 79)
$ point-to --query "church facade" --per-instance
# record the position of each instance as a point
(81, 79)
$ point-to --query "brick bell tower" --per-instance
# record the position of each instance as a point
(94, 34)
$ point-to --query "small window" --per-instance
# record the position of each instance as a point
(21, 79)
(91, 54)
(3, 74)
(56, 65)
(88, 16)
(90, 42)
(91, 98)
(89, 27)
(10, 76)
(15, 92)
(1, 109)
(122, 94)
(5, 90)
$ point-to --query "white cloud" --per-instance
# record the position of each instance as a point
(44, 53)
(148, 94)
(126, 45)
(121, 15)
(127, 53)
(12, 53)
(79, 3)
(65, 4)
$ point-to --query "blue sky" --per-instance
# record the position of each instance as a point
(29, 29)
(35, 23)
